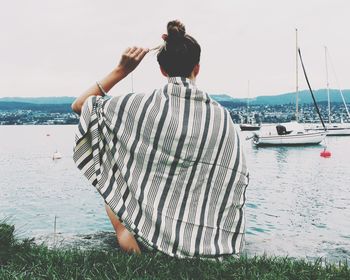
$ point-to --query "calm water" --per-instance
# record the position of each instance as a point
(298, 204)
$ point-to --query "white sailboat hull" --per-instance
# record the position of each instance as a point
(338, 132)
(341, 129)
(287, 134)
(291, 139)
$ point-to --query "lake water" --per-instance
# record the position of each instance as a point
(298, 203)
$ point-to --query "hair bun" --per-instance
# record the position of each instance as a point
(176, 30)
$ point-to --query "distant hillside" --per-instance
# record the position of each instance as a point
(304, 97)
(40, 100)
(285, 98)
(52, 108)
(223, 97)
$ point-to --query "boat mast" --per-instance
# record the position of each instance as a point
(329, 100)
(338, 85)
(248, 105)
(346, 106)
(296, 76)
(312, 94)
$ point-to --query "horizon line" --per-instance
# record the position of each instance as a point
(223, 93)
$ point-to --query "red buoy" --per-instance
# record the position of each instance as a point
(325, 154)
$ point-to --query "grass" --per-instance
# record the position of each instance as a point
(22, 259)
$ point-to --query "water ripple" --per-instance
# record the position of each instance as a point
(298, 204)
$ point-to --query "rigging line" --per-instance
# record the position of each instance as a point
(312, 94)
(132, 82)
(327, 85)
(296, 77)
(337, 81)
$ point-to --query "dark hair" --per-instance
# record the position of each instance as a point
(180, 53)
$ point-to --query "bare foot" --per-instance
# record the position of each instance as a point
(128, 242)
(126, 239)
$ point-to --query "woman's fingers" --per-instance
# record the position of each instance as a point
(137, 53)
(131, 58)
(127, 51)
(132, 50)
(142, 54)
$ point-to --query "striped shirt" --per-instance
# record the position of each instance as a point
(170, 165)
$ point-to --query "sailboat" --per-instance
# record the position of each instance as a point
(291, 133)
(333, 129)
(249, 125)
(56, 155)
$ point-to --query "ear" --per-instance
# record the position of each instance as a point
(163, 72)
(196, 70)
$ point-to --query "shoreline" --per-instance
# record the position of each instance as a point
(25, 259)
(106, 240)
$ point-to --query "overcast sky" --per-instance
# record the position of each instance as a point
(60, 48)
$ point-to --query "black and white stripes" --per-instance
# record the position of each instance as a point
(171, 167)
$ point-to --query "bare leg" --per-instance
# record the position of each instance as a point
(125, 238)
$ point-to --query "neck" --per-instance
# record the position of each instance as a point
(192, 77)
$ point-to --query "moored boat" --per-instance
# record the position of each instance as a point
(56, 155)
(249, 127)
(249, 124)
(291, 133)
(333, 129)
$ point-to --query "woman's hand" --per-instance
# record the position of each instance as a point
(130, 59)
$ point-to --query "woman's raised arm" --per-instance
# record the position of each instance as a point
(129, 61)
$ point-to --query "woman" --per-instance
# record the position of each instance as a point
(169, 163)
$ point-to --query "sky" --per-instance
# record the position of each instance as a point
(60, 48)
